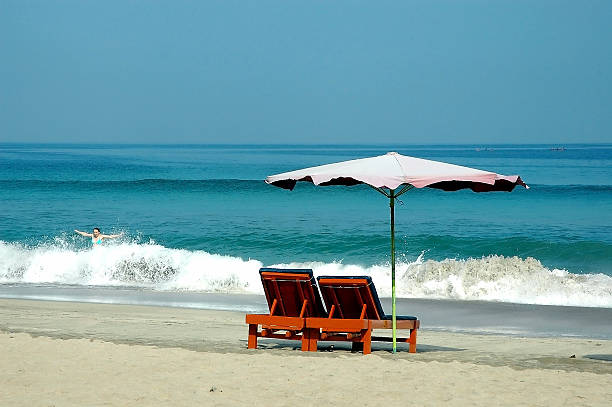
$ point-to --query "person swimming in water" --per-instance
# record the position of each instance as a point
(96, 236)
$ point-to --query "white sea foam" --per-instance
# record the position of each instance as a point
(152, 266)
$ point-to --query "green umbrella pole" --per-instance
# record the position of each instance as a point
(392, 196)
(392, 205)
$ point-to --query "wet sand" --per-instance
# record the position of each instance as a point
(441, 314)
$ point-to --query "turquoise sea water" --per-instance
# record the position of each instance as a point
(201, 218)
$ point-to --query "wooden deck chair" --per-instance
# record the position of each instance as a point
(292, 296)
(354, 311)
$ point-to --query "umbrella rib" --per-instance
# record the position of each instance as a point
(382, 191)
(406, 188)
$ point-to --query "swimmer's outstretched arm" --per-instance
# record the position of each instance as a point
(112, 236)
(83, 233)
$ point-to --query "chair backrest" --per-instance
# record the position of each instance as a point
(290, 288)
(348, 294)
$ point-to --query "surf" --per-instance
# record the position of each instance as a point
(151, 266)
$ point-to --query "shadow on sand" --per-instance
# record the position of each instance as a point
(324, 346)
(606, 358)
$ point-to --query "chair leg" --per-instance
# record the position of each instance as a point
(413, 341)
(367, 340)
(252, 344)
(313, 337)
(306, 340)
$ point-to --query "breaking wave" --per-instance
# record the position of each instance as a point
(152, 266)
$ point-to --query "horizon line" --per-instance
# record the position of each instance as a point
(303, 144)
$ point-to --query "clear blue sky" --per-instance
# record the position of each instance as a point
(503, 71)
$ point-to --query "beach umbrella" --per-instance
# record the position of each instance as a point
(392, 175)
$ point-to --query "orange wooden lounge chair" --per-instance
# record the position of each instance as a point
(292, 296)
(354, 312)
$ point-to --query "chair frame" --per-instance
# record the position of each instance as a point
(312, 324)
(356, 330)
(279, 323)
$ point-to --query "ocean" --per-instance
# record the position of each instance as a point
(200, 219)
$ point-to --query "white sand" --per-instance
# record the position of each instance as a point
(133, 355)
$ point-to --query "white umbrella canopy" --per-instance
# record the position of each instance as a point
(392, 170)
(386, 173)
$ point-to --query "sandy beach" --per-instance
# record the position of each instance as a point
(74, 354)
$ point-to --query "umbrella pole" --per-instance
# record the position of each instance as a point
(392, 205)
